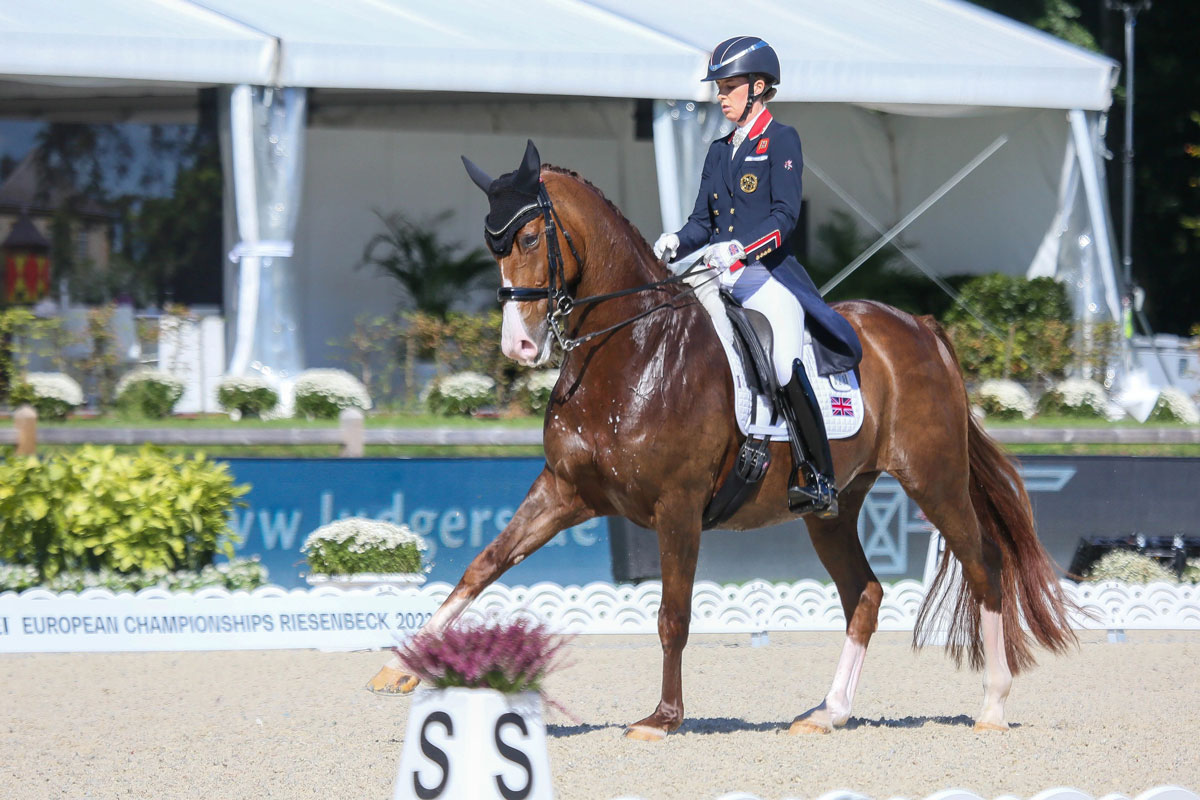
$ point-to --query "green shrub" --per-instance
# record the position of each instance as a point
(94, 509)
(239, 574)
(324, 393)
(461, 394)
(1031, 328)
(1074, 397)
(533, 390)
(53, 394)
(248, 396)
(1174, 405)
(148, 393)
(359, 545)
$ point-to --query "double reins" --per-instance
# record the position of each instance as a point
(556, 291)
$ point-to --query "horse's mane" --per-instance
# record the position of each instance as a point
(638, 239)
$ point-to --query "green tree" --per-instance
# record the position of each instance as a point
(431, 272)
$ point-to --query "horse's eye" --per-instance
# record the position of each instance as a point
(528, 240)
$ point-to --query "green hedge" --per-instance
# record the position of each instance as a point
(95, 509)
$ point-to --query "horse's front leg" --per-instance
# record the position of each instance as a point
(552, 505)
(678, 548)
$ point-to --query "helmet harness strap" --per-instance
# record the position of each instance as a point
(751, 97)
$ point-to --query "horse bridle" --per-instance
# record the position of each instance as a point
(559, 295)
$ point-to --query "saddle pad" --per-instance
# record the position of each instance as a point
(838, 395)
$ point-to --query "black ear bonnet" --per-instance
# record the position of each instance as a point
(512, 199)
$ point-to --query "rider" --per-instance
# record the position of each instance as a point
(746, 210)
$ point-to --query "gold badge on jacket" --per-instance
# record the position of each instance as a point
(749, 183)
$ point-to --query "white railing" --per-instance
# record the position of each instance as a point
(99, 621)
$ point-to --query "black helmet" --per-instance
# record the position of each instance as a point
(743, 55)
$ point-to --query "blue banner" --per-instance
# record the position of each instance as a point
(458, 505)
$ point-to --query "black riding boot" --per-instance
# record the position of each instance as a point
(819, 494)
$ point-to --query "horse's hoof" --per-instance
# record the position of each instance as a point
(644, 733)
(990, 726)
(803, 726)
(390, 681)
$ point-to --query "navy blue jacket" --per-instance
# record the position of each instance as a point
(754, 197)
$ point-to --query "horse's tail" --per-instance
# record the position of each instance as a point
(1028, 581)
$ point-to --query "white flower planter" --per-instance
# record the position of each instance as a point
(476, 743)
(365, 580)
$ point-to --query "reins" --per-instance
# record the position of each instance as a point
(561, 301)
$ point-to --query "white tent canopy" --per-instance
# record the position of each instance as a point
(911, 52)
(891, 97)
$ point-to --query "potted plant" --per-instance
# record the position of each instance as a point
(477, 725)
(358, 552)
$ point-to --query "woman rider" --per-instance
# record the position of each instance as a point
(746, 211)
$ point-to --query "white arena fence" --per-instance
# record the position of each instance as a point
(331, 618)
(1058, 793)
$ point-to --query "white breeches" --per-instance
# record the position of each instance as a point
(773, 300)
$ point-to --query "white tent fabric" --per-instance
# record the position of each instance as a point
(910, 52)
(265, 149)
(87, 44)
(890, 96)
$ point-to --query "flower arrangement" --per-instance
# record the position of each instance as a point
(324, 393)
(1075, 397)
(240, 574)
(1175, 406)
(148, 392)
(359, 545)
(534, 389)
(246, 396)
(1130, 567)
(462, 393)
(53, 394)
(508, 656)
(1004, 399)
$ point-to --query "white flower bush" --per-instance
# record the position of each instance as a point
(1004, 399)
(1075, 397)
(1130, 567)
(324, 393)
(246, 396)
(53, 394)
(460, 393)
(150, 392)
(359, 545)
(1175, 406)
(534, 389)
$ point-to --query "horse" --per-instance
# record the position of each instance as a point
(641, 425)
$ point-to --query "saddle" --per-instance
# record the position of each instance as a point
(753, 341)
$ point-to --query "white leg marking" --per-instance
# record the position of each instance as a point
(845, 681)
(997, 679)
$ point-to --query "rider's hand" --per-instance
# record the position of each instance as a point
(666, 247)
(723, 255)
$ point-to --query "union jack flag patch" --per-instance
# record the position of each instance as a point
(787, 164)
(841, 406)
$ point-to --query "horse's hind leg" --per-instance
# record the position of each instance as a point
(837, 545)
(552, 505)
(678, 548)
(978, 629)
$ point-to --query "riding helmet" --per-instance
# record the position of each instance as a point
(743, 55)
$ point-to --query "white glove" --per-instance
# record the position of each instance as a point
(666, 247)
(723, 255)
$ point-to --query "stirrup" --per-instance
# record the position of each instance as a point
(817, 497)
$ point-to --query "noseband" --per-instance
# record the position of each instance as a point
(559, 295)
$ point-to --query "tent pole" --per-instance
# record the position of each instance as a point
(955, 179)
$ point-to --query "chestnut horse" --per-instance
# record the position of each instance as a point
(641, 425)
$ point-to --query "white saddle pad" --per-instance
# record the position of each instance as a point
(838, 395)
